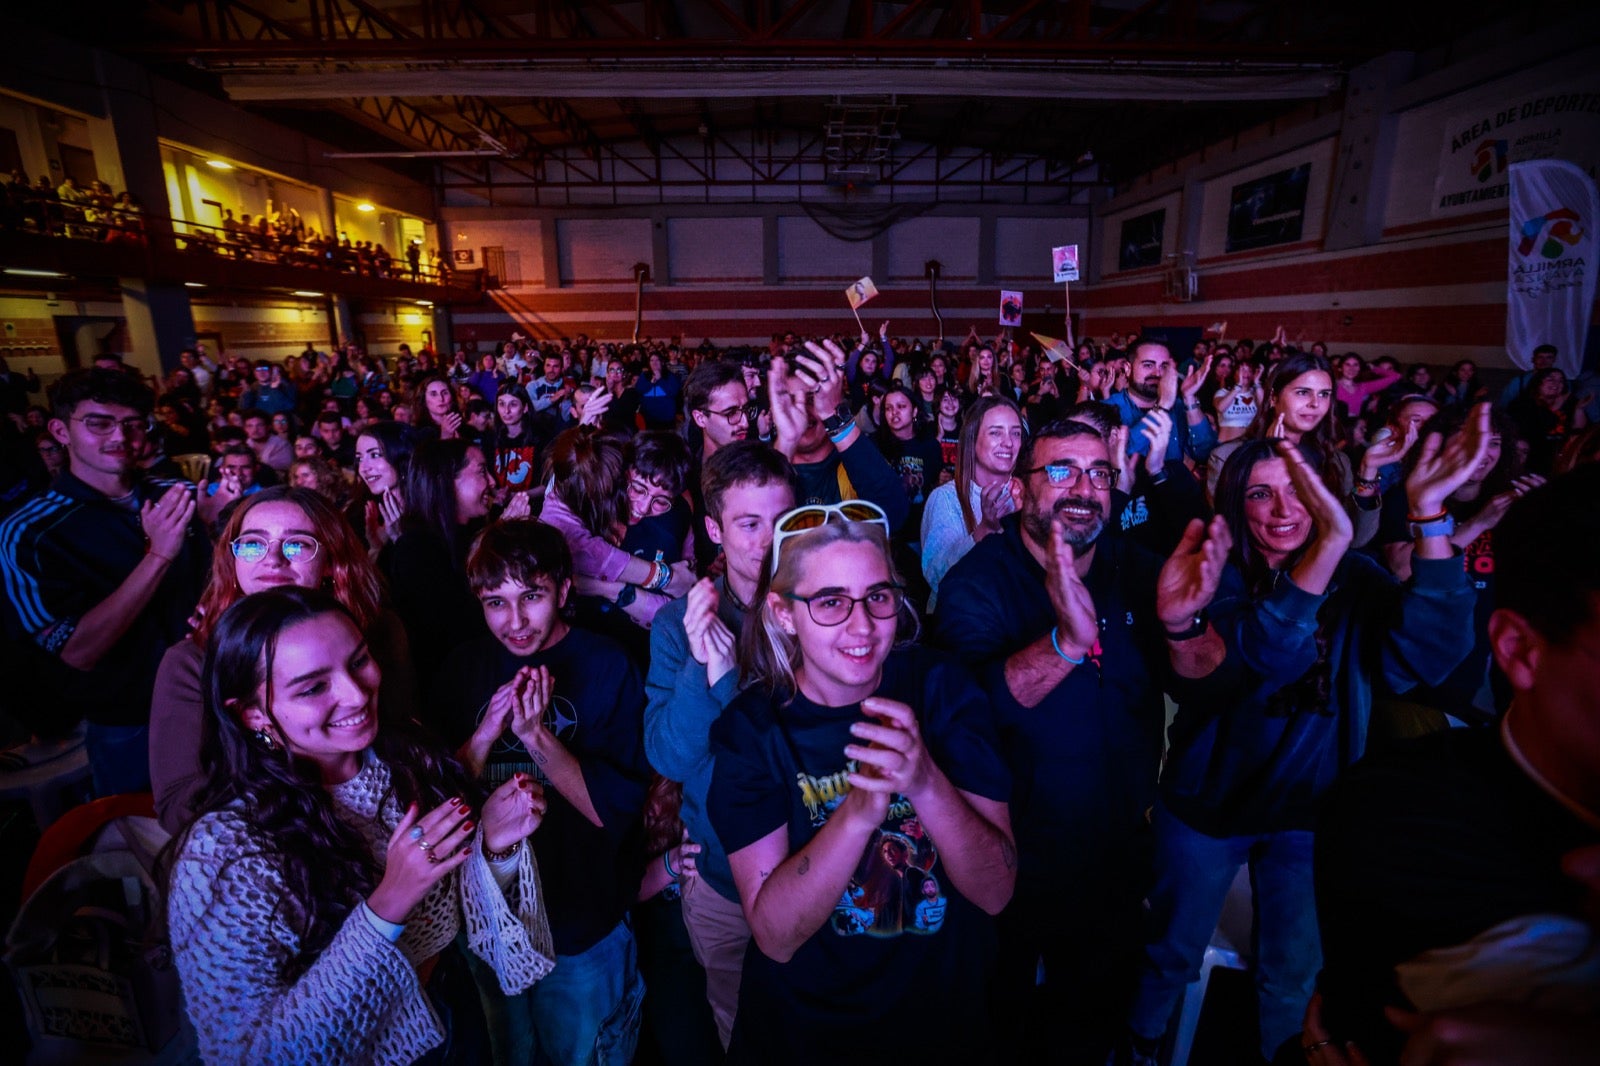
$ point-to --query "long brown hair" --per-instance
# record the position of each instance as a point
(351, 577)
(967, 451)
(590, 469)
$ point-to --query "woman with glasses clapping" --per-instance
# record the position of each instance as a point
(279, 536)
(862, 801)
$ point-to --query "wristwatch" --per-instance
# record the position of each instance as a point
(1197, 625)
(838, 420)
(627, 595)
(1439, 527)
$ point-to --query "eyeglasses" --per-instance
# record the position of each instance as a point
(1101, 477)
(102, 425)
(805, 518)
(732, 415)
(835, 608)
(254, 549)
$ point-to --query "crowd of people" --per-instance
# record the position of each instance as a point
(96, 213)
(93, 213)
(572, 701)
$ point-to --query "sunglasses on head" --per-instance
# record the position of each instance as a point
(807, 517)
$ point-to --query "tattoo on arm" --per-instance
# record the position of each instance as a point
(805, 865)
(538, 756)
(765, 874)
(1008, 854)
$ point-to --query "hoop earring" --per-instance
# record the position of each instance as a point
(265, 739)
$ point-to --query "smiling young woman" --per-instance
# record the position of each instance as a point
(869, 890)
(315, 899)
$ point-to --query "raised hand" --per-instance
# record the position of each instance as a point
(1442, 467)
(1167, 392)
(519, 506)
(1385, 452)
(699, 609)
(682, 579)
(1196, 377)
(1156, 425)
(166, 521)
(883, 332)
(1188, 581)
(598, 404)
(391, 506)
(422, 852)
(997, 501)
(474, 754)
(1333, 531)
(450, 426)
(1077, 626)
(821, 366)
(527, 710)
(787, 403)
(512, 812)
(890, 755)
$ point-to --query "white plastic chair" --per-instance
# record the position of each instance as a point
(1230, 948)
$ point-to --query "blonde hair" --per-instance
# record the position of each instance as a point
(769, 654)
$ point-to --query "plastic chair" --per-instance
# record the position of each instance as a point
(66, 839)
(195, 465)
(1229, 948)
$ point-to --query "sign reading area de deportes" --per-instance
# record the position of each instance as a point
(1480, 145)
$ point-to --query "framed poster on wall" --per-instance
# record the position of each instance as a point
(1269, 210)
(1140, 242)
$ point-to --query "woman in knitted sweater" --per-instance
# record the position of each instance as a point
(333, 863)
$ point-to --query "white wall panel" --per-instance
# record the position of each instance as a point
(710, 250)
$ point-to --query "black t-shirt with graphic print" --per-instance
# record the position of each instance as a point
(900, 966)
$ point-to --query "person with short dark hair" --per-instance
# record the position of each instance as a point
(1153, 382)
(268, 390)
(539, 697)
(1541, 358)
(271, 449)
(717, 403)
(694, 675)
(1062, 622)
(340, 445)
(1445, 885)
(103, 570)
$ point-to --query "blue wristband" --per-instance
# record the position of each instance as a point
(1057, 646)
(844, 432)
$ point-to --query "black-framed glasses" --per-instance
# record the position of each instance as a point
(1101, 477)
(102, 425)
(732, 415)
(252, 549)
(834, 608)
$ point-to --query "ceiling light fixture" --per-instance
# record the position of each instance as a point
(20, 272)
(365, 207)
(217, 164)
(307, 293)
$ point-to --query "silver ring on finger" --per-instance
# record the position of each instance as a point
(425, 846)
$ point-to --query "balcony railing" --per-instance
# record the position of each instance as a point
(78, 239)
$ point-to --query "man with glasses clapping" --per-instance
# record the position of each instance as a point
(103, 570)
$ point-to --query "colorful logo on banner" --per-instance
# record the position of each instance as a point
(1551, 234)
(1489, 160)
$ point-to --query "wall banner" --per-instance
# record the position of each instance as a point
(1480, 146)
(1550, 286)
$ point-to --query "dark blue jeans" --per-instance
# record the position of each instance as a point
(119, 758)
(1193, 872)
(586, 1012)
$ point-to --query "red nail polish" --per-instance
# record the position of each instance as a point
(467, 826)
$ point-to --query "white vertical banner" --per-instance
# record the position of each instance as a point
(1555, 210)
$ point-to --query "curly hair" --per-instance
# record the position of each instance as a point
(327, 867)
